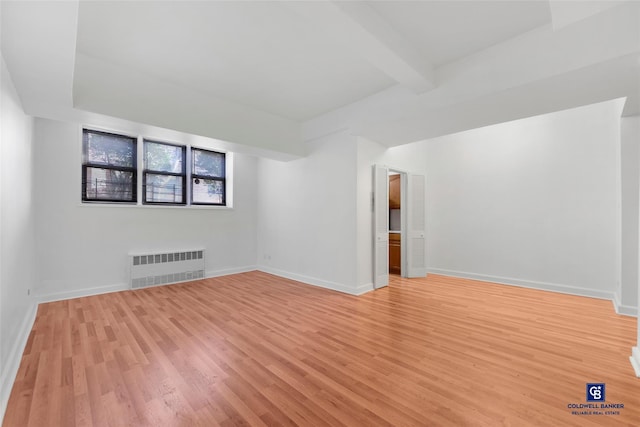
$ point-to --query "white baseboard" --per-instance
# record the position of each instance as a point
(553, 287)
(228, 271)
(635, 360)
(99, 290)
(363, 289)
(626, 310)
(359, 290)
(10, 368)
(78, 293)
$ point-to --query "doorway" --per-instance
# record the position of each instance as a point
(395, 223)
(411, 238)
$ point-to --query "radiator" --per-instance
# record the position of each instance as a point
(152, 269)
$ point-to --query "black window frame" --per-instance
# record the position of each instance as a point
(146, 171)
(222, 179)
(86, 164)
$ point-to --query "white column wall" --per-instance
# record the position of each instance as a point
(17, 241)
(369, 153)
(627, 296)
(631, 130)
(307, 215)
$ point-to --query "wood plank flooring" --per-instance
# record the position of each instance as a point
(254, 349)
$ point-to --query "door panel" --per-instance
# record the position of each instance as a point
(415, 231)
(380, 226)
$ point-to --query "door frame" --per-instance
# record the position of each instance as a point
(404, 246)
(404, 268)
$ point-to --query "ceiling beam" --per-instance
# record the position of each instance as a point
(356, 26)
(564, 13)
(542, 70)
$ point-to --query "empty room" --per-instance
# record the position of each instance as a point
(319, 213)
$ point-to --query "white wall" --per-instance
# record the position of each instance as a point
(83, 248)
(17, 260)
(307, 215)
(531, 202)
(627, 298)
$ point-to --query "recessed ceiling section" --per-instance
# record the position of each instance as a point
(256, 54)
(104, 88)
(445, 31)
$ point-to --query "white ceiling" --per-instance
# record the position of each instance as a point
(254, 53)
(270, 74)
(444, 31)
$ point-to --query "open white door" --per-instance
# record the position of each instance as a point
(416, 227)
(380, 226)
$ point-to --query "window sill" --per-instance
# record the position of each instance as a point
(141, 206)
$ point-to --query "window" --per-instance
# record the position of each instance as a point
(108, 167)
(116, 168)
(207, 177)
(165, 177)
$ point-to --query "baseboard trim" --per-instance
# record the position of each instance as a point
(10, 368)
(79, 293)
(363, 289)
(625, 310)
(635, 360)
(99, 290)
(553, 287)
(229, 271)
(359, 290)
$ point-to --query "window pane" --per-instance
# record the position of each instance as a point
(163, 188)
(111, 150)
(107, 184)
(163, 157)
(208, 191)
(208, 163)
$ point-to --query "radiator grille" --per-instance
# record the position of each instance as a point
(154, 269)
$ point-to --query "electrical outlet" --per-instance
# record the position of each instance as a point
(28, 292)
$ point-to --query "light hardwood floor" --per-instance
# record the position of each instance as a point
(255, 349)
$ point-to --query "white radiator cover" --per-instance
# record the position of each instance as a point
(161, 268)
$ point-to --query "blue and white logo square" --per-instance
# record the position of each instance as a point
(595, 392)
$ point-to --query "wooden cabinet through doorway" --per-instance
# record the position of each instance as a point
(394, 254)
(394, 192)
